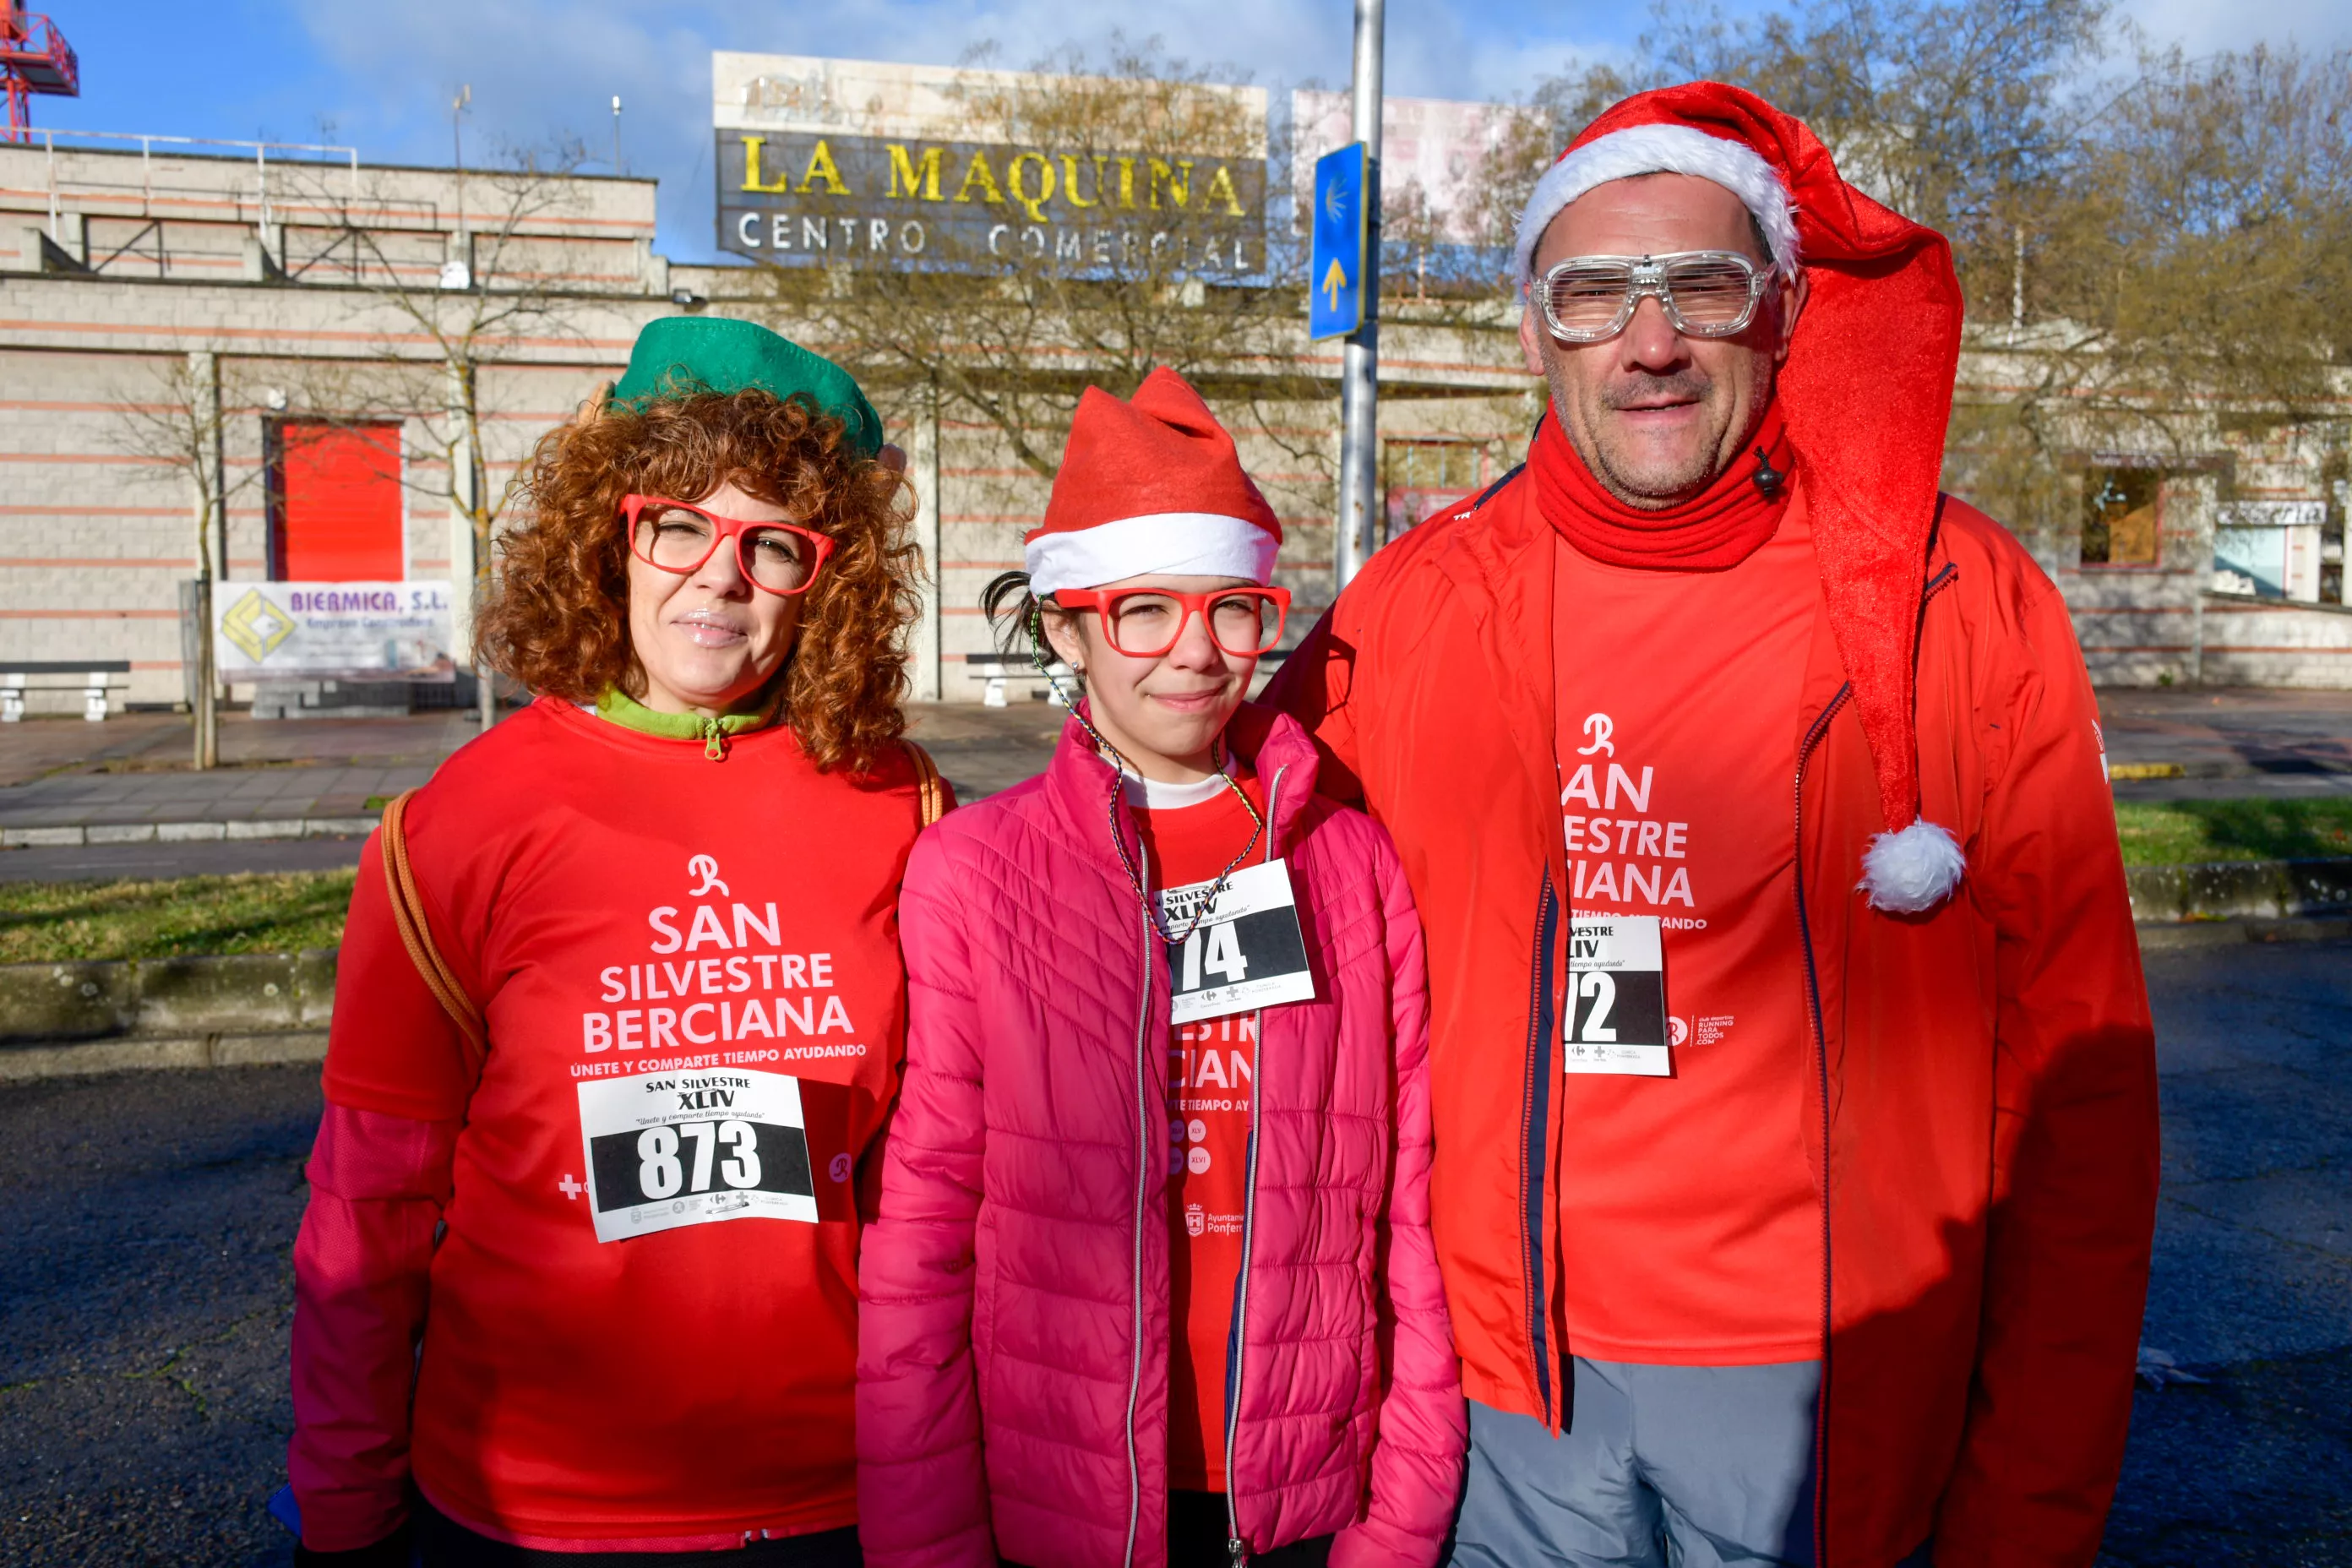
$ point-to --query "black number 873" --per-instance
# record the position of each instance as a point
(681, 1159)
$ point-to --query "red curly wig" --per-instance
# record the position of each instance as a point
(557, 615)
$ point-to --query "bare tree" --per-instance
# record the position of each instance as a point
(2143, 238)
(1010, 340)
(176, 415)
(444, 326)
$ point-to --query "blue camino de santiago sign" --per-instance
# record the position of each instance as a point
(1335, 271)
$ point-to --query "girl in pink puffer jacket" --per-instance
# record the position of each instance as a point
(1152, 1279)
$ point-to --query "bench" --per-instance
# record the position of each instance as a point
(95, 678)
(993, 669)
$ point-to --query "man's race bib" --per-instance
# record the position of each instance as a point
(667, 1148)
(1617, 997)
(1246, 952)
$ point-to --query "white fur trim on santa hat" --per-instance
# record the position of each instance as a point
(1661, 150)
(1911, 871)
(1189, 543)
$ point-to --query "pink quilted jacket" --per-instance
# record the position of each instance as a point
(1012, 1344)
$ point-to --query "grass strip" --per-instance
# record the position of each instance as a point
(2186, 832)
(284, 912)
(267, 911)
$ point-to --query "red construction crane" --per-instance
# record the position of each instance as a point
(34, 57)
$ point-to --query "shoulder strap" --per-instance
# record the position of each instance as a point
(408, 914)
(930, 789)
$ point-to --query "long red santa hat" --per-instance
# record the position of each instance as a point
(1866, 390)
(1151, 485)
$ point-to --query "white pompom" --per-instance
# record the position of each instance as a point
(1911, 871)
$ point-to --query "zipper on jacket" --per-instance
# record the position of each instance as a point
(1821, 1068)
(1936, 585)
(1148, 1119)
(1535, 1126)
(1236, 1335)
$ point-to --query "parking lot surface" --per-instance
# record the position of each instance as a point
(146, 1219)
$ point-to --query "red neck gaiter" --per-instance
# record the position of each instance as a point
(1719, 528)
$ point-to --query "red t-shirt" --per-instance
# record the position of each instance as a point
(1688, 1215)
(643, 1319)
(1212, 1075)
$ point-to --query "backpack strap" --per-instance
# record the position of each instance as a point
(931, 790)
(416, 935)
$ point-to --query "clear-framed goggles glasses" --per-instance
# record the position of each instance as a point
(1705, 293)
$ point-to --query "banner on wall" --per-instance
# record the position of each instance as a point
(860, 162)
(334, 631)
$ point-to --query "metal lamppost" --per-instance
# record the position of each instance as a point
(1360, 445)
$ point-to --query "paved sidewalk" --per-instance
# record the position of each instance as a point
(81, 800)
(148, 744)
(131, 771)
(2204, 744)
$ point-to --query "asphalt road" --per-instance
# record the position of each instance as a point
(2253, 1284)
(145, 1221)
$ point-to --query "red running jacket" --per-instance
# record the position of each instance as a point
(1981, 1097)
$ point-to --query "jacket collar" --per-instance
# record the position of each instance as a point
(1500, 557)
(1274, 744)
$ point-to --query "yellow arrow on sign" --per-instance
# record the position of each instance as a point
(1333, 281)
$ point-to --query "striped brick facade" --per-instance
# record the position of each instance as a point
(116, 269)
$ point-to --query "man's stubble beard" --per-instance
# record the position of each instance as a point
(1650, 491)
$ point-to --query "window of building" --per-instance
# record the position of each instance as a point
(2120, 511)
(1425, 477)
(336, 507)
(2274, 549)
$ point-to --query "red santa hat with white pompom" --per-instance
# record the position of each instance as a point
(1866, 390)
(1151, 485)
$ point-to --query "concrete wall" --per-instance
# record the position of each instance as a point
(160, 259)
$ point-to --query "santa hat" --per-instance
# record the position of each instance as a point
(1866, 390)
(1151, 485)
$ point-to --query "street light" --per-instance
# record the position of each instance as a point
(1359, 426)
(616, 133)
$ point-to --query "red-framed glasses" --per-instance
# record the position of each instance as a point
(1144, 623)
(779, 557)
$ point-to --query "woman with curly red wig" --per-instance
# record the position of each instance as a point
(620, 1009)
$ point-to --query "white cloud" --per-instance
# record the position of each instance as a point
(2204, 26)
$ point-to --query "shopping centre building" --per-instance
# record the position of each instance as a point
(291, 364)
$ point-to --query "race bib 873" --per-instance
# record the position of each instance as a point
(670, 1148)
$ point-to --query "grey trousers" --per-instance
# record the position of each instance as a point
(1661, 1467)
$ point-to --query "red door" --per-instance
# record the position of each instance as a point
(339, 503)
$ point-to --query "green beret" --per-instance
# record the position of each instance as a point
(678, 356)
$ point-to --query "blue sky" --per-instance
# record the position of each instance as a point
(379, 74)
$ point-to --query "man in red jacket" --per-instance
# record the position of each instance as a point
(1795, 1090)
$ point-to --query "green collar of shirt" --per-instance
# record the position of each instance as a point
(621, 709)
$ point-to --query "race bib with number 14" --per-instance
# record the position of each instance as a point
(1245, 953)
